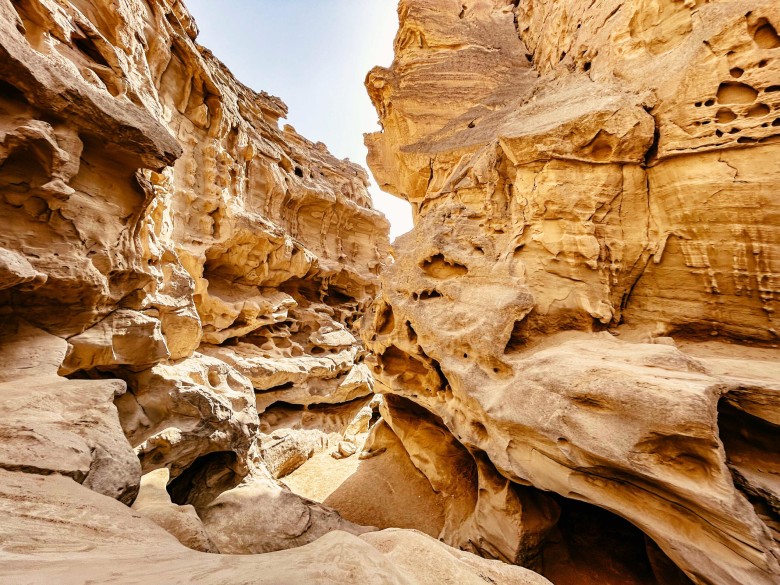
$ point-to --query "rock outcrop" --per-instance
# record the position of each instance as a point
(98, 540)
(576, 343)
(173, 265)
(581, 171)
(51, 425)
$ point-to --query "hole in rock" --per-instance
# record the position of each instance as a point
(591, 546)
(752, 447)
(87, 46)
(763, 63)
(334, 297)
(652, 152)
(601, 146)
(298, 172)
(296, 287)
(586, 66)
(746, 140)
(758, 110)
(385, 321)
(289, 406)
(426, 295)
(214, 377)
(737, 72)
(443, 381)
(518, 337)
(376, 416)
(776, 122)
(709, 102)
(26, 169)
(765, 35)
(207, 477)
(479, 430)
(734, 92)
(438, 266)
(278, 388)
(772, 89)
(724, 116)
(411, 334)
(10, 93)
(396, 362)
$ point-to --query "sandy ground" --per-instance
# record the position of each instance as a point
(321, 475)
(385, 491)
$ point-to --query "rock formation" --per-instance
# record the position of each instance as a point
(580, 328)
(180, 280)
(575, 345)
(98, 540)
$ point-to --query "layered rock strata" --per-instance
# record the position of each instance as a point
(177, 271)
(579, 171)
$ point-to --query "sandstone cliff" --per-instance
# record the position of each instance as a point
(594, 187)
(196, 272)
(576, 344)
(168, 246)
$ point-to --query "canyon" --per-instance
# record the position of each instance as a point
(217, 369)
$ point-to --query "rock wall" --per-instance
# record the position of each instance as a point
(583, 314)
(195, 271)
(576, 342)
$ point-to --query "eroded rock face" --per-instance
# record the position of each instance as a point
(581, 170)
(51, 425)
(588, 159)
(183, 522)
(99, 539)
(162, 234)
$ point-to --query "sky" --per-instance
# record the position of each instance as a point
(314, 54)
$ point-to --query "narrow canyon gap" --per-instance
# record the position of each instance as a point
(216, 368)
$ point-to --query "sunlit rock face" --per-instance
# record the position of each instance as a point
(195, 264)
(581, 171)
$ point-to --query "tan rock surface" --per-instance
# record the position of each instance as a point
(99, 540)
(379, 486)
(161, 225)
(260, 516)
(176, 412)
(154, 502)
(535, 143)
(51, 425)
(583, 167)
(578, 171)
(152, 202)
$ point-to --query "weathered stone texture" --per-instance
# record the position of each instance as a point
(169, 247)
(579, 171)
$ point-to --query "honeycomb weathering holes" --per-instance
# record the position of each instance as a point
(735, 92)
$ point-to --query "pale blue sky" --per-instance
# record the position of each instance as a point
(314, 54)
